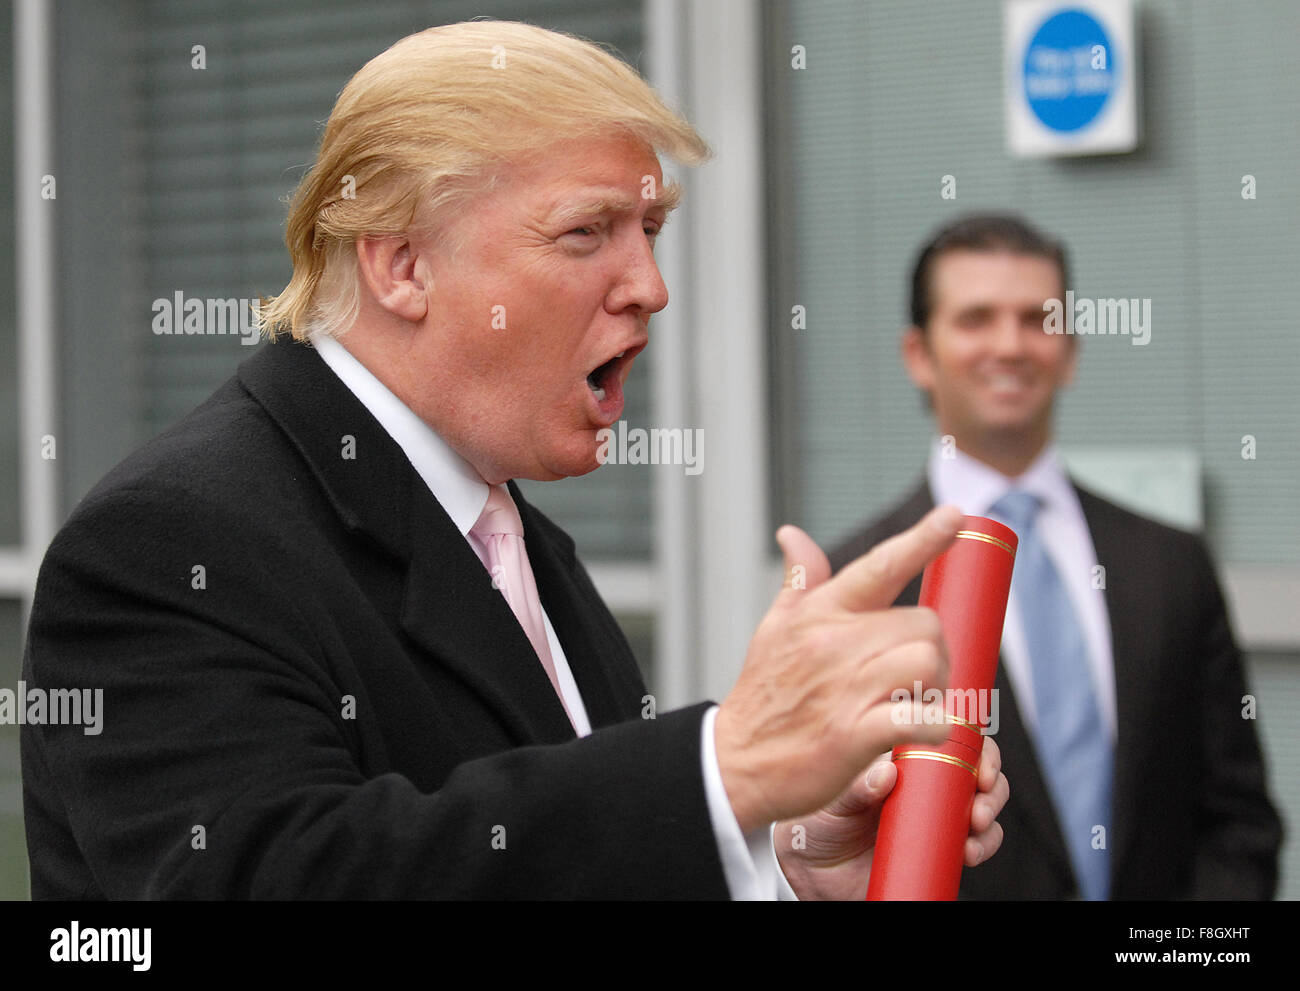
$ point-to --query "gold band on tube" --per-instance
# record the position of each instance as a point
(973, 727)
(941, 758)
(987, 538)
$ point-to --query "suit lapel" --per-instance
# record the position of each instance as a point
(1124, 569)
(917, 504)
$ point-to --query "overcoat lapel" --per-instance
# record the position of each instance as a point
(606, 673)
(447, 604)
(451, 610)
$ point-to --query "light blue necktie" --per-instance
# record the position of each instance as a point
(1072, 741)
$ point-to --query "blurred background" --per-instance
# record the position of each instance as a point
(151, 145)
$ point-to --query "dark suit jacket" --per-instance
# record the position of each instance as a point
(311, 689)
(1192, 817)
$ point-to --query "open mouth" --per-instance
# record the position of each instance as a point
(605, 377)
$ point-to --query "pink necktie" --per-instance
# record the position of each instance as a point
(502, 533)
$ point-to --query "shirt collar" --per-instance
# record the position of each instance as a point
(957, 478)
(452, 480)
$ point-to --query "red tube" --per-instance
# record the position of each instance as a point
(926, 818)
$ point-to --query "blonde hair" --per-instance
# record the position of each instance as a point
(426, 124)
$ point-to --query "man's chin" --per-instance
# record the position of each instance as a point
(1010, 433)
(585, 465)
(1013, 419)
(569, 464)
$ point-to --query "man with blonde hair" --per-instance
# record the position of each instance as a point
(342, 656)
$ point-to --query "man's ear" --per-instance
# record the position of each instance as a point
(388, 268)
(916, 358)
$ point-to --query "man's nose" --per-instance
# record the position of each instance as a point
(640, 284)
(1008, 336)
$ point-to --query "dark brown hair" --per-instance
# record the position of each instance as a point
(979, 232)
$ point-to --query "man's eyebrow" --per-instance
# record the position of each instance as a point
(668, 199)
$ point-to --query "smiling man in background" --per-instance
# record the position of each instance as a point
(342, 656)
(1136, 775)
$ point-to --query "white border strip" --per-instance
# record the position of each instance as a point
(34, 233)
(728, 335)
(676, 674)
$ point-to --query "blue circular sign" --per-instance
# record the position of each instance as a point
(1069, 71)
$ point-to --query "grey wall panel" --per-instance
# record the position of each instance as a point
(897, 95)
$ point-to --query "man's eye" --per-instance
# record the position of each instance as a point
(583, 231)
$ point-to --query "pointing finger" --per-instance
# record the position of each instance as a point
(806, 565)
(874, 580)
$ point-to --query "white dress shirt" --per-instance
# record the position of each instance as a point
(749, 862)
(973, 486)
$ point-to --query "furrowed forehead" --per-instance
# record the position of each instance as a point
(600, 200)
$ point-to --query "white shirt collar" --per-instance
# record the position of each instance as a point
(452, 480)
(956, 477)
